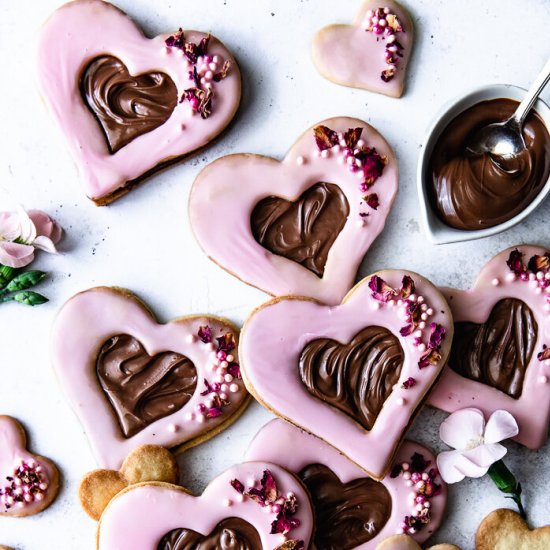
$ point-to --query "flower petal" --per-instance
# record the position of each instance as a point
(500, 426)
(454, 466)
(28, 230)
(10, 228)
(459, 428)
(484, 456)
(45, 244)
(46, 226)
(15, 255)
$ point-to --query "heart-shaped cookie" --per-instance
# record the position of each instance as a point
(251, 506)
(133, 381)
(303, 225)
(354, 374)
(506, 530)
(352, 510)
(500, 357)
(129, 105)
(28, 483)
(372, 53)
(146, 463)
(404, 542)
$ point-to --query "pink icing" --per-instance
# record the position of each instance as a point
(294, 449)
(225, 193)
(88, 320)
(84, 29)
(453, 392)
(12, 455)
(351, 56)
(275, 335)
(141, 516)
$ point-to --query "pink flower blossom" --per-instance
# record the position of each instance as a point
(21, 233)
(477, 443)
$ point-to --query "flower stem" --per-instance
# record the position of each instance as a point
(506, 482)
(6, 274)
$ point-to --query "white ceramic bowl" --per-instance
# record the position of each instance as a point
(439, 232)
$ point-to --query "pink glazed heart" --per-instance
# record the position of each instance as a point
(165, 517)
(500, 357)
(355, 374)
(361, 511)
(133, 381)
(356, 56)
(303, 225)
(132, 94)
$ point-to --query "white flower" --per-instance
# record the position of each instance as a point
(477, 444)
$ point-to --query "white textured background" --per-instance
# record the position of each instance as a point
(143, 242)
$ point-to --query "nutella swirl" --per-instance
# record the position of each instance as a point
(479, 191)
(356, 378)
(498, 351)
(348, 514)
(229, 534)
(126, 106)
(143, 388)
(302, 231)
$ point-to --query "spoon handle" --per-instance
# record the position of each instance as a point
(532, 95)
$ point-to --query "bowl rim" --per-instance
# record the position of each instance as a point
(438, 232)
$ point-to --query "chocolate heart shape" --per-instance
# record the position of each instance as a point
(356, 378)
(304, 230)
(142, 388)
(229, 534)
(497, 352)
(348, 514)
(126, 106)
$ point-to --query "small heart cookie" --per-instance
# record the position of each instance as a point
(28, 483)
(354, 511)
(403, 542)
(146, 463)
(372, 53)
(355, 374)
(251, 506)
(302, 225)
(133, 381)
(129, 105)
(500, 357)
(506, 530)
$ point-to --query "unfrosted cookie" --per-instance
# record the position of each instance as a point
(146, 463)
(28, 483)
(500, 357)
(133, 381)
(506, 530)
(251, 506)
(403, 542)
(301, 225)
(354, 374)
(354, 511)
(372, 53)
(129, 105)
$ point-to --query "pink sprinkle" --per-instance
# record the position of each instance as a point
(191, 339)
(300, 160)
(230, 358)
(228, 502)
(234, 388)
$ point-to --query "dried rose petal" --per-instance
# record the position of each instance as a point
(223, 73)
(208, 389)
(437, 335)
(373, 164)
(409, 383)
(372, 200)
(396, 471)
(407, 286)
(544, 354)
(283, 524)
(291, 505)
(419, 463)
(291, 545)
(205, 334)
(515, 262)
(269, 487)
(430, 357)
(381, 290)
(539, 263)
(226, 343)
(325, 138)
(256, 495)
(213, 412)
(234, 370)
(176, 41)
(352, 136)
(238, 486)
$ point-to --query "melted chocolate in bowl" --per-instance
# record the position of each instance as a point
(479, 191)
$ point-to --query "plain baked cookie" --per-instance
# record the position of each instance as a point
(28, 483)
(506, 530)
(301, 225)
(133, 381)
(372, 53)
(500, 358)
(355, 374)
(403, 542)
(352, 510)
(129, 105)
(254, 505)
(146, 463)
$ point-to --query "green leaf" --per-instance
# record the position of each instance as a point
(25, 280)
(6, 274)
(30, 298)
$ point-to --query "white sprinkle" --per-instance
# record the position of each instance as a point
(495, 282)
(210, 346)
(189, 416)
(543, 379)
(234, 388)
(532, 276)
(422, 325)
(400, 401)
(172, 428)
(300, 160)
(511, 277)
(422, 347)
(228, 502)
(374, 305)
(200, 418)
(239, 497)
(325, 154)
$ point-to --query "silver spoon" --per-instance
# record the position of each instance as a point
(505, 139)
